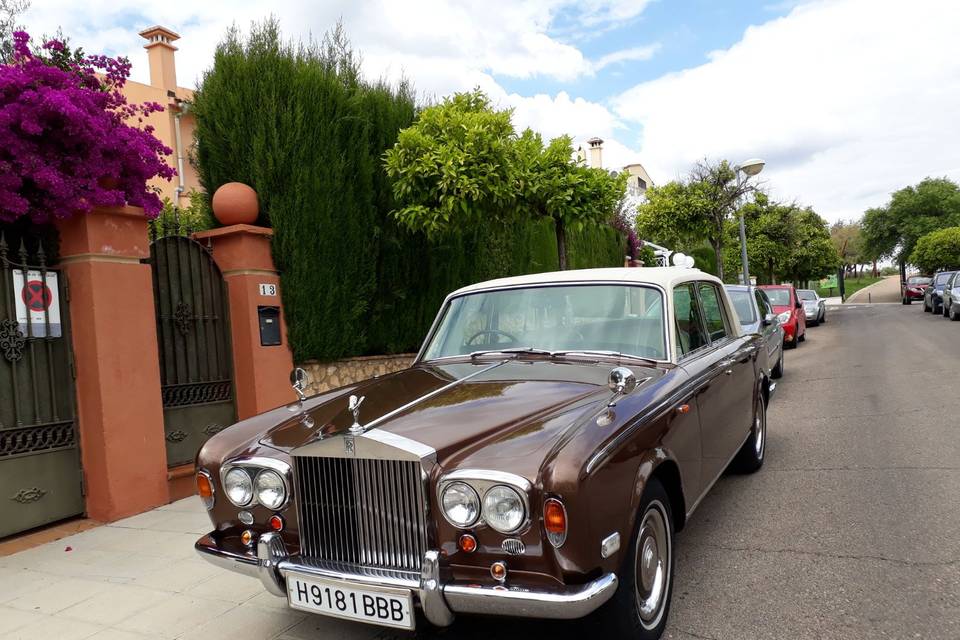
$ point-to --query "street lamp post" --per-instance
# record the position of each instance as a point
(748, 168)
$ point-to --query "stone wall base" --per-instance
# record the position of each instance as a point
(325, 376)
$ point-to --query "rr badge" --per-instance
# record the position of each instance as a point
(349, 445)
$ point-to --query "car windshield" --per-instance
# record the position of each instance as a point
(918, 280)
(778, 297)
(806, 294)
(943, 277)
(625, 319)
(743, 303)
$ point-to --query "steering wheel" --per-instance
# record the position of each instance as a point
(491, 332)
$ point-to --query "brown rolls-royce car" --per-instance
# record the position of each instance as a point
(537, 458)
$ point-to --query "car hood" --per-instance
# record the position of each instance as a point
(780, 308)
(472, 414)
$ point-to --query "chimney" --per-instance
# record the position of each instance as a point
(596, 152)
(160, 51)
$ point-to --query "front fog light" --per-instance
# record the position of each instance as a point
(238, 486)
(271, 491)
(461, 505)
(503, 509)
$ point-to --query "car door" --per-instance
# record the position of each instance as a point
(772, 335)
(734, 380)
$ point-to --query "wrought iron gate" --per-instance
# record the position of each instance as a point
(193, 332)
(40, 476)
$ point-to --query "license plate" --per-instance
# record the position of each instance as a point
(383, 606)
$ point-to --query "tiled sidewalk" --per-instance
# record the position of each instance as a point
(140, 578)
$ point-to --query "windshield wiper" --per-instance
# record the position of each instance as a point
(600, 352)
(530, 350)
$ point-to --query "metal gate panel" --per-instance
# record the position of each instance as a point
(193, 333)
(40, 474)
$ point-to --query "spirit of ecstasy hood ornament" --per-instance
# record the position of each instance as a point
(354, 406)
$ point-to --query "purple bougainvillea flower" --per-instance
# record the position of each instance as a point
(66, 142)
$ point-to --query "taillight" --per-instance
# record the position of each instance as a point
(555, 521)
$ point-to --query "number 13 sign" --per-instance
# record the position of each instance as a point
(268, 289)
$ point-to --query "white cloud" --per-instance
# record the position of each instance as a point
(846, 101)
(632, 54)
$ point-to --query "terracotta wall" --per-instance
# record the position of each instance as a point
(330, 375)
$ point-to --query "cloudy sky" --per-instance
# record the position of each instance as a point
(846, 100)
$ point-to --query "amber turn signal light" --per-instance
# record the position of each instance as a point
(276, 522)
(498, 570)
(246, 537)
(205, 489)
(555, 521)
(467, 543)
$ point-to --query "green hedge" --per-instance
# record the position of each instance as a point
(300, 126)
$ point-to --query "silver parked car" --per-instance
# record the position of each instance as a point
(951, 297)
(814, 307)
(756, 315)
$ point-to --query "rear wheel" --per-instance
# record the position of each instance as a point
(954, 315)
(750, 457)
(777, 371)
(640, 606)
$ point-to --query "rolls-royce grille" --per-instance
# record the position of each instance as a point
(363, 512)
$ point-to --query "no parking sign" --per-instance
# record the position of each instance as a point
(37, 301)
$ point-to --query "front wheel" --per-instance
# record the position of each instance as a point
(640, 606)
(953, 313)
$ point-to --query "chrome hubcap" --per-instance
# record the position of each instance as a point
(653, 565)
(760, 430)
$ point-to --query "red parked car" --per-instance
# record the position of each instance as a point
(789, 310)
(912, 289)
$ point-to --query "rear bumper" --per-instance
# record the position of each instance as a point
(439, 600)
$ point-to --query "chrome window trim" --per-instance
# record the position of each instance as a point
(259, 463)
(482, 481)
(667, 314)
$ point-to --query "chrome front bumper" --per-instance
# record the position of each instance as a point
(439, 600)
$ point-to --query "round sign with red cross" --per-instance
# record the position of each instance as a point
(36, 295)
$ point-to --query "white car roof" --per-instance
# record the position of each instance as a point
(665, 277)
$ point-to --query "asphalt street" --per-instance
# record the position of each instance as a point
(852, 527)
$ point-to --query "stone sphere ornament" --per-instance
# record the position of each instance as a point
(235, 203)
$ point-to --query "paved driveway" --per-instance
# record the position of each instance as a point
(849, 531)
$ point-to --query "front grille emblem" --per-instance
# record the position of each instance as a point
(349, 445)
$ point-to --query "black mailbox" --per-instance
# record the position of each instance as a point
(269, 326)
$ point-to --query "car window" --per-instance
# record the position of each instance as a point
(624, 318)
(943, 277)
(762, 303)
(690, 332)
(778, 297)
(743, 304)
(915, 280)
(712, 311)
(806, 294)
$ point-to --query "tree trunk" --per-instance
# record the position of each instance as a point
(718, 253)
(561, 243)
(770, 269)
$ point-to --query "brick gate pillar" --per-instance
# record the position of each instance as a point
(119, 411)
(261, 371)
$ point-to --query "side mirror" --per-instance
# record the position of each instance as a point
(769, 319)
(799, 304)
(299, 380)
(621, 381)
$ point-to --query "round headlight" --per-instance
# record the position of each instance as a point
(238, 486)
(461, 505)
(271, 491)
(503, 509)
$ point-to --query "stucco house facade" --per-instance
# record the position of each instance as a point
(175, 124)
